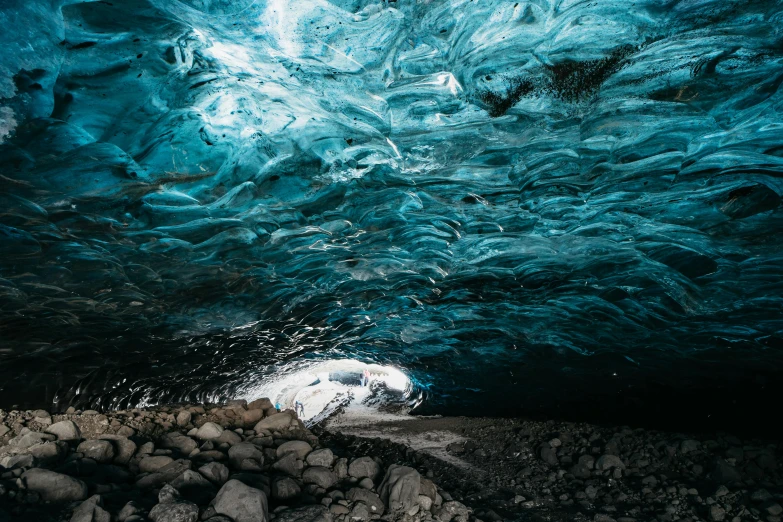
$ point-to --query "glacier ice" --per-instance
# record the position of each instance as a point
(544, 194)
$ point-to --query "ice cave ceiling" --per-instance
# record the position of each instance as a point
(554, 197)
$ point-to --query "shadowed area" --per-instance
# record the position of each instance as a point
(550, 207)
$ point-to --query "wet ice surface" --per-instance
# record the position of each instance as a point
(550, 197)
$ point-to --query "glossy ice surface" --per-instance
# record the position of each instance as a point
(512, 201)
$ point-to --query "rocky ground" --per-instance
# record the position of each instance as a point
(237, 462)
(248, 463)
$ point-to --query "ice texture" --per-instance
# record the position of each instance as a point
(489, 194)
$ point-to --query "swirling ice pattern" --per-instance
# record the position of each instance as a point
(486, 193)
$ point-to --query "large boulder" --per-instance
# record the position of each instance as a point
(320, 476)
(100, 451)
(245, 457)
(65, 430)
(298, 447)
(364, 467)
(276, 422)
(400, 488)
(177, 441)
(260, 404)
(322, 457)
(289, 465)
(54, 487)
(242, 503)
(124, 448)
(209, 431)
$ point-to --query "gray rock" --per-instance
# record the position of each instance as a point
(181, 511)
(276, 422)
(298, 447)
(17, 461)
(321, 457)
(760, 495)
(228, 437)
(771, 508)
(124, 448)
(252, 417)
(183, 418)
(372, 500)
(30, 439)
(91, 510)
(128, 510)
(717, 513)
(548, 454)
(245, 457)
(242, 503)
(428, 488)
(193, 486)
(154, 463)
(425, 502)
(215, 472)
(320, 476)
(360, 512)
(289, 465)
(364, 467)
(209, 431)
(341, 468)
(724, 473)
(3, 430)
(100, 451)
(400, 488)
(65, 430)
(452, 509)
(605, 462)
(285, 489)
(175, 440)
(366, 483)
(168, 493)
(54, 487)
(260, 404)
(164, 475)
(305, 514)
(49, 452)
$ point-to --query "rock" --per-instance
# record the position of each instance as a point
(209, 431)
(341, 468)
(321, 457)
(428, 488)
(65, 430)
(242, 503)
(548, 454)
(285, 489)
(180, 511)
(251, 417)
(175, 440)
(215, 472)
(168, 493)
(54, 487)
(605, 462)
(298, 447)
(128, 510)
(320, 476)
(245, 457)
(91, 511)
(260, 404)
(3, 430)
(165, 474)
(193, 486)
(289, 465)
(360, 512)
(236, 404)
(771, 508)
(400, 488)
(372, 500)
(276, 422)
(364, 467)
(124, 448)
(689, 446)
(425, 502)
(452, 509)
(17, 461)
(50, 452)
(366, 483)
(30, 439)
(760, 495)
(183, 418)
(154, 463)
(305, 514)
(717, 513)
(100, 451)
(228, 437)
(339, 509)
(724, 473)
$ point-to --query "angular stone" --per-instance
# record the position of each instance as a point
(305, 514)
(452, 509)
(215, 472)
(54, 487)
(242, 503)
(163, 475)
(124, 448)
(260, 404)
(209, 431)
(400, 488)
(289, 465)
(91, 511)
(285, 489)
(180, 511)
(245, 457)
(724, 473)
(183, 418)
